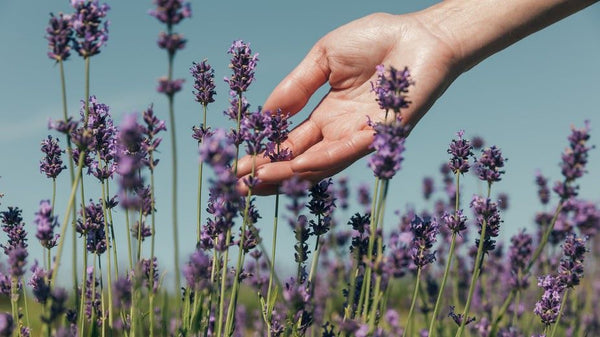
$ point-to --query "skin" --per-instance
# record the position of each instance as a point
(436, 44)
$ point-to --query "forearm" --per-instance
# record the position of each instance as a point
(479, 28)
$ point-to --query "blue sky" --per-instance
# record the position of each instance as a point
(523, 99)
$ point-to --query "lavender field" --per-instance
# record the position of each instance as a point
(144, 214)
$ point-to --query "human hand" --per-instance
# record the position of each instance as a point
(336, 133)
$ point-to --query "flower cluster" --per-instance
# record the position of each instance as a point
(549, 305)
(388, 143)
(574, 160)
(204, 82)
(391, 88)
(487, 214)
(519, 255)
(130, 160)
(321, 204)
(90, 32)
(570, 269)
(46, 222)
(424, 232)
(51, 164)
(489, 164)
(59, 34)
(461, 150)
(171, 12)
(243, 64)
(279, 134)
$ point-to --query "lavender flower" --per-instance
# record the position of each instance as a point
(586, 217)
(296, 189)
(486, 213)
(391, 88)
(455, 222)
(519, 254)
(543, 190)
(549, 305)
(461, 150)
(171, 12)
(152, 127)
(14, 227)
(388, 144)
(93, 228)
(171, 42)
(129, 161)
(59, 34)
(93, 304)
(489, 164)
(458, 318)
(255, 128)
(204, 82)
(321, 204)
(427, 187)
(122, 292)
(90, 33)
(46, 222)
(39, 283)
(478, 142)
(6, 325)
(570, 270)
(574, 160)
(424, 232)
(297, 296)
(279, 134)
(243, 64)
(17, 259)
(197, 271)
(62, 126)
(51, 164)
(169, 87)
(217, 150)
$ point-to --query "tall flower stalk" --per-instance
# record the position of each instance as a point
(461, 151)
(172, 13)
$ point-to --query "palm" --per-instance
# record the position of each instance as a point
(336, 133)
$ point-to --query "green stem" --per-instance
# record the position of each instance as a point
(272, 267)
(476, 272)
(412, 304)
(108, 249)
(83, 291)
(14, 297)
(241, 254)
(560, 311)
(152, 247)
(128, 235)
(315, 260)
(199, 219)
(223, 282)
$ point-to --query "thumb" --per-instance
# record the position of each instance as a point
(294, 91)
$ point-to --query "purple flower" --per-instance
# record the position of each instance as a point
(171, 12)
(46, 222)
(364, 196)
(477, 142)
(14, 227)
(458, 318)
(198, 133)
(235, 107)
(427, 187)
(570, 270)
(400, 258)
(59, 34)
(455, 222)
(391, 88)
(217, 150)
(39, 283)
(461, 150)
(489, 164)
(586, 217)
(549, 305)
(103, 141)
(302, 233)
(90, 32)
(519, 254)
(62, 126)
(255, 128)
(298, 298)
(171, 42)
(503, 201)
(51, 164)
(6, 325)
(342, 192)
(574, 160)
(296, 189)
(152, 127)
(243, 64)
(122, 292)
(129, 160)
(388, 143)
(279, 133)
(197, 271)
(93, 304)
(486, 213)
(17, 259)
(543, 190)
(91, 225)
(424, 232)
(169, 87)
(204, 82)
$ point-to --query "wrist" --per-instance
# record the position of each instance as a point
(476, 29)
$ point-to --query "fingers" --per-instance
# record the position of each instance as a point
(299, 140)
(296, 88)
(322, 160)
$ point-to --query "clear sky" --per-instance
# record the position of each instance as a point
(523, 99)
